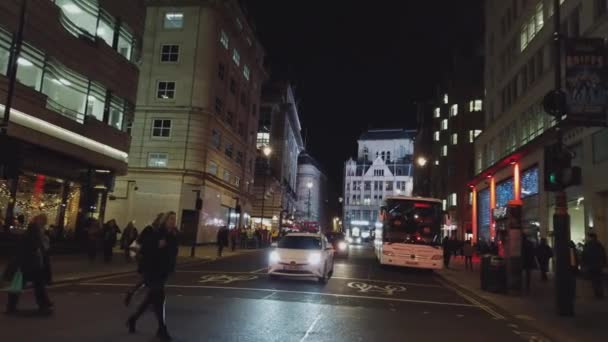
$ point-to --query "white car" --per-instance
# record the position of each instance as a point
(302, 255)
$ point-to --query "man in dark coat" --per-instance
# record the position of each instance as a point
(594, 261)
(110, 236)
(222, 240)
(29, 259)
(543, 254)
(528, 261)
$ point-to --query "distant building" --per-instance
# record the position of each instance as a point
(75, 90)
(312, 193)
(276, 175)
(383, 167)
(444, 156)
(196, 119)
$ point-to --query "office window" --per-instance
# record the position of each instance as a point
(236, 57)
(445, 98)
(239, 157)
(216, 139)
(436, 136)
(263, 139)
(165, 90)
(444, 150)
(228, 151)
(169, 53)
(212, 168)
(105, 28)
(81, 16)
(475, 105)
(473, 134)
(444, 124)
(454, 110)
(531, 27)
(96, 101)
(224, 39)
(229, 119)
(239, 24)
(117, 112)
(221, 71)
(66, 91)
(219, 105)
(237, 181)
(246, 72)
(173, 20)
(367, 185)
(30, 65)
(379, 172)
(454, 139)
(126, 42)
(436, 162)
(437, 112)
(161, 128)
(453, 200)
(157, 159)
(226, 176)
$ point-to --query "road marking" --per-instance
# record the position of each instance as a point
(270, 295)
(387, 282)
(211, 271)
(388, 290)
(312, 326)
(296, 292)
(261, 269)
(225, 278)
(472, 300)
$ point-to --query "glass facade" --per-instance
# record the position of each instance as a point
(504, 192)
(483, 217)
(529, 182)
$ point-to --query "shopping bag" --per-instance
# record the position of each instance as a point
(16, 285)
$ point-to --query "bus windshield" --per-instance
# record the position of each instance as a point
(412, 221)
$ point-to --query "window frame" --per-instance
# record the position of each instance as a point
(150, 154)
(161, 129)
(170, 53)
(158, 90)
(166, 14)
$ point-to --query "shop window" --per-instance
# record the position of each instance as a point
(529, 182)
(66, 91)
(80, 15)
(96, 101)
(161, 128)
(165, 90)
(117, 112)
(212, 168)
(29, 68)
(483, 217)
(173, 20)
(157, 159)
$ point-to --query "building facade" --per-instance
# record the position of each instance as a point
(448, 126)
(383, 168)
(196, 119)
(67, 132)
(312, 210)
(276, 175)
(519, 71)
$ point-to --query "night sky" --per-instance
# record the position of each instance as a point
(361, 64)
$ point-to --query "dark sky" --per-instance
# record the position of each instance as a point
(361, 64)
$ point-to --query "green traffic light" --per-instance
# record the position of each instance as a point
(553, 178)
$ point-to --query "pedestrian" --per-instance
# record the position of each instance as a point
(29, 263)
(594, 261)
(158, 252)
(543, 254)
(447, 251)
(222, 240)
(137, 252)
(528, 260)
(94, 236)
(467, 251)
(129, 234)
(233, 238)
(110, 236)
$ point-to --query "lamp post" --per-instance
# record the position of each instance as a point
(421, 161)
(267, 151)
(309, 185)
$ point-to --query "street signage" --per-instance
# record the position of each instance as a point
(586, 88)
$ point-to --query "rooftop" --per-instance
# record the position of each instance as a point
(388, 134)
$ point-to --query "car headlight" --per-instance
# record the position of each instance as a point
(358, 240)
(274, 257)
(314, 258)
(342, 245)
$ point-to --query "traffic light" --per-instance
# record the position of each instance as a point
(559, 172)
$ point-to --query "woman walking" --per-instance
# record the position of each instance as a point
(158, 253)
(129, 234)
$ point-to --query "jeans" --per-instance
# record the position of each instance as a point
(42, 297)
(156, 298)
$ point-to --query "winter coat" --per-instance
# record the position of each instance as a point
(29, 257)
(528, 256)
(543, 254)
(157, 262)
(222, 237)
(594, 256)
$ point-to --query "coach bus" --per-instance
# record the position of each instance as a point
(409, 232)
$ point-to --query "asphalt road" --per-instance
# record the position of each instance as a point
(232, 299)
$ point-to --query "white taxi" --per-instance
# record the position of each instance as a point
(302, 255)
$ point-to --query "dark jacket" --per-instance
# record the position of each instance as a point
(528, 256)
(110, 234)
(157, 262)
(28, 257)
(594, 256)
(222, 236)
(543, 254)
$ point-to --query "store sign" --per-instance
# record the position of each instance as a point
(500, 213)
(586, 89)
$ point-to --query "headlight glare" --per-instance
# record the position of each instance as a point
(314, 259)
(274, 257)
(342, 245)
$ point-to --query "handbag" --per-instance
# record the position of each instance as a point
(16, 285)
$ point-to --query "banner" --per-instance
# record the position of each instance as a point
(586, 82)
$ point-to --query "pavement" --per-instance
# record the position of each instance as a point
(232, 299)
(537, 308)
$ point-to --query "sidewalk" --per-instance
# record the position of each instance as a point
(67, 268)
(537, 308)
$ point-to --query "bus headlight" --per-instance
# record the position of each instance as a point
(274, 257)
(314, 259)
(342, 245)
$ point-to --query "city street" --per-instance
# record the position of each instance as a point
(232, 299)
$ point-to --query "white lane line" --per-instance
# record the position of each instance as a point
(297, 292)
(270, 295)
(472, 300)
(260, 270)
(310, 328)
(387, 282)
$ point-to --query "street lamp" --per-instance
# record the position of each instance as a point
(267, 151)
(309, 185)
(421, 161)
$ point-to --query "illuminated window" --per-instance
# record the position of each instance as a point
(444, 150)
(236, 57)
(169, 53)
(445, 98)
(437, 162)
(475, 106)
(437, 112)
(444, 204)
(454, 139)
(532, 26)
(165, 90)
(126, 42)
(454, 110)
(224, 39)
(453, 200)
(444, 124)
(173, 20)
(436, 136)
(473, 134)
(246, 72)
(263, 139)
(156, 159)
(249, 41)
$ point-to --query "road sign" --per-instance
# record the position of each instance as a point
(586, 82)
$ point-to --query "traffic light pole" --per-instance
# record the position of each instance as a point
(565, 281)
